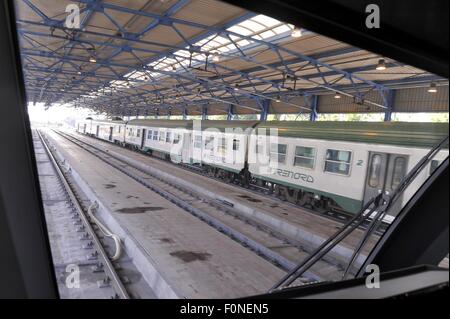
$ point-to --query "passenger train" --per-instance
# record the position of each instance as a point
(326, 166)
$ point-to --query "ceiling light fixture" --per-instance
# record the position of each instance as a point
(381, 65)
(296, 32)
(432, 88)
(337, 95)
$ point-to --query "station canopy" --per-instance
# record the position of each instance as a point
(194, 57)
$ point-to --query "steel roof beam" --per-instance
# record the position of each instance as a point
(210, 84)
(221, 30)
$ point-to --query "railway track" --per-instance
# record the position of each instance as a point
(337, 216)
(89, 232)
(270, 245)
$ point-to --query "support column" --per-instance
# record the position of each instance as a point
(185, 113)
(314, 103)
(204, 113)
(230, 112)
(265, 105)
(390, 98)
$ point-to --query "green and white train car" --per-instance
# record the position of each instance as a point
(168, 139)
(341, 165)
(221, 146)
(324, 165)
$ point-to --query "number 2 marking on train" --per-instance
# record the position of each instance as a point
(359, 162)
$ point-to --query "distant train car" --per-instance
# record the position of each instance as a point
(340, 165)
(84, 126)
(221, 146)
(108, 130)
(168, 139)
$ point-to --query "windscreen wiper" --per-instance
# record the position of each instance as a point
(378, 206)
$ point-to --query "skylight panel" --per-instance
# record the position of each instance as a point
(281, 29)
(266, 34)
(223, 49)
(183, 53)
(243, 43)
(221, 40)
(267, 21)
(231, 46)
(252, 25)
(240, 30)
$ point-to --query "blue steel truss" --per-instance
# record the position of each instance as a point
(87, 85)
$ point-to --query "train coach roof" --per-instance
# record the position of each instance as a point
(395, 133)
(223, 125)
(109, 121)
(162, 123)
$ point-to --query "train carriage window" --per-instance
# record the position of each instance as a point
(235, 145)
(375, 171)
(209, 143)
(433, 165)
(222, 145)
(198, 141)
(278, 152)
(176, 138)
(155, 135)
(338, 162)
(162, 136)
(259, 147)
(399, 172)
(169, 137)
(304, 156)
(149, 134)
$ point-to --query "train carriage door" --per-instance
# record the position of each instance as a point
(187, 147)
(110, 137)
(144, 133)
(384, 174)
(97, 130)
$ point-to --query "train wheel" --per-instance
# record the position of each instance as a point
(305, 199)
(271, 188)
(319, 205)
(260, 182)
(230, 177)
(280, 192)
(291, 195)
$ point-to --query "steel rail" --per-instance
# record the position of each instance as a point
(115, 279)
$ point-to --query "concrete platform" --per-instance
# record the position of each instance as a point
(295, 222)
(179, 255)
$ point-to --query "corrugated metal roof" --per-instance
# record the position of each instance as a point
(164, 49)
